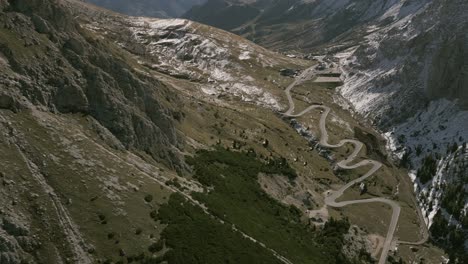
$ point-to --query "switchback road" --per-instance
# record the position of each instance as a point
(332, 196)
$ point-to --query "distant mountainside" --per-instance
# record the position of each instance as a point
(292, 24)
(225, 14)
(150, 8)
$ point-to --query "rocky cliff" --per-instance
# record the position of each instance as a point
(53, 64)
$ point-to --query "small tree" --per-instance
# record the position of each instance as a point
(454, 147)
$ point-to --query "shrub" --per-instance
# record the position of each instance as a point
(148, 198)
(157, 246)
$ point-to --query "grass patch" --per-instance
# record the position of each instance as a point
(16, 44)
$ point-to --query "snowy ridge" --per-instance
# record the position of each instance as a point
(178, 47)
(374, 84)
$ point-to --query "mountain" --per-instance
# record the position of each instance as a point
(229, 14)
(144, 140)
(127, 139)
(293, 25)
(150, 8)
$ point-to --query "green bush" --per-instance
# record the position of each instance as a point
(157, 246)
(148, 198)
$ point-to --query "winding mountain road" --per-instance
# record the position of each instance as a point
(332, 196)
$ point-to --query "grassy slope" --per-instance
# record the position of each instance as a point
(103, 194)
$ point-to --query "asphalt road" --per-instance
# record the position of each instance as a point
(330, 199)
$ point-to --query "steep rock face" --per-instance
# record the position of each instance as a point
(151, 8)
(436, 54)
(449, 73)
(54, 64)
(428, 77)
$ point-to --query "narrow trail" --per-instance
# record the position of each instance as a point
(332, 196)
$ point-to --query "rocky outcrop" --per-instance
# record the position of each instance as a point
(15, 241)
(448, 77)
(58, 66)
(433, 66)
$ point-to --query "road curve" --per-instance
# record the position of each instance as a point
(330, 199)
